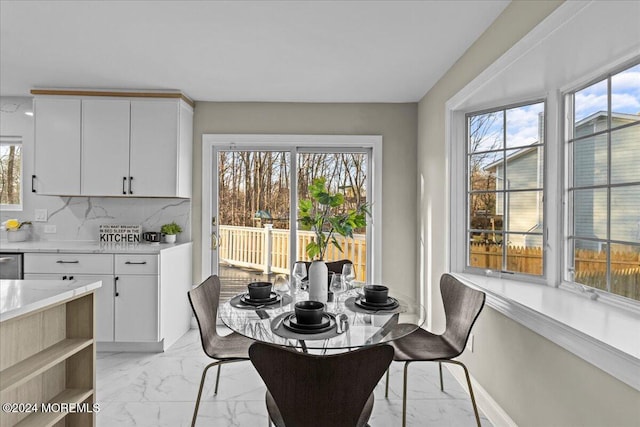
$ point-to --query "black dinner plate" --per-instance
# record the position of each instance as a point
(247, 300)
(327, 323)
(390, 304)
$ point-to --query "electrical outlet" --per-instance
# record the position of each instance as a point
(50, 229)
(40, 215)
(470, 343)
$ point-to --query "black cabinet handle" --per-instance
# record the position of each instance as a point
(70, 277)
(64, 277)
(130, 185)
(136, 263)
(67, 262)
(124, 180)
(33, 184)
(115, 286)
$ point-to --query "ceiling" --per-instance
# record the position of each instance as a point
(302, 51)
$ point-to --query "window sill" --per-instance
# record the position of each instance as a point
(604, 335)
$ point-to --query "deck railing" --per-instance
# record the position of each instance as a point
(267, 249)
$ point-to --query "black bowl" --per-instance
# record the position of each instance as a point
(259, 290)
(309, 312)
(376, 294)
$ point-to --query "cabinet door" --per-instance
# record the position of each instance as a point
(136, 308)
(154, 148)
(104, 300)
(105, 147)
(57, 146)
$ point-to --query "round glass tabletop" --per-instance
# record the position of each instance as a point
(348, 323)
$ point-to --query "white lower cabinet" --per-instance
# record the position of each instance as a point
(136, 308)
(142, 304)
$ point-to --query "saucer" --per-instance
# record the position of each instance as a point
(328, 322)
(390, 304)
(247, 300)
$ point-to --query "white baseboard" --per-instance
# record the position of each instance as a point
(486, 404)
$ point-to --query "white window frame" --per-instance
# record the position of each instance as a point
(599, 331)
(15, 140)
(566, 282)
(294, 143)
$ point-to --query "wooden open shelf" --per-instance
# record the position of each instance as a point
(33, 366)
(48, 356)
(47, 419)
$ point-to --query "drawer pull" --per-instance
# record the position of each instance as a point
(136, 263)
(67, 262)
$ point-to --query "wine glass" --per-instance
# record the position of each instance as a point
(337, 286)
(299, 273)
(281, 286)
(348, 274)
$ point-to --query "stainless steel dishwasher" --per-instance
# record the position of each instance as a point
(10, 266)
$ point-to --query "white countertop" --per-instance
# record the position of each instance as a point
(95, 247)
(18, 297)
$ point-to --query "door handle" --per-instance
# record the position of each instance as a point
(135, 263)
(124, 181)
(67, 262)
(33, 185)
(6, 259)
(130, 185)
(214, 241)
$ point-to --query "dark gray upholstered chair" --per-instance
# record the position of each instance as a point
(462, 305)
(204, 301)
(310, 390)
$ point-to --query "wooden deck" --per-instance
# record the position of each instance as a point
(234, 280)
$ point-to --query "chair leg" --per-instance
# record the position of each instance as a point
(386, 386)
(473, 399)
(440, 369)
(215, 391)
(404, 395)
(204, 375)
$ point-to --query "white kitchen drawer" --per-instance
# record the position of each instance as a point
(137, 264)
(68, 263)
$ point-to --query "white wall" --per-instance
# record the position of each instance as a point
(535, 381)
(78, 218)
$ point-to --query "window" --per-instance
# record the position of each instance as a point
(10, 173)
(603, 190)
(505, 185)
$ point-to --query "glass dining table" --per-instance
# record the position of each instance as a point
(350, 322)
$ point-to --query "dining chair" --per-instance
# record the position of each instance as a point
(311, 390)
(462, 305)
(230, 348)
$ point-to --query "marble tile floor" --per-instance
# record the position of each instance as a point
(143, 389)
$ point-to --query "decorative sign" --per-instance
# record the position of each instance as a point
(120, 233)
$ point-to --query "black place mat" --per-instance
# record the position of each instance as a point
(286, 333)
(350, 303)
(237, 303)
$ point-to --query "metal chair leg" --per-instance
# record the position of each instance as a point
(441, 383)
(215, 391)
(204, 375)
(386, 387)
(404, 395)
(473, 399)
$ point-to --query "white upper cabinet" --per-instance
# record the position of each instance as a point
(108, 146)
(57, 147)
(154, 148)
(105, 147)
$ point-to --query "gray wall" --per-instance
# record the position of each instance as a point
(535, 381)
(397, 123)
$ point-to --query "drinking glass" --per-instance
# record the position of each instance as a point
(348, 274)
(299, 273)
(281, 286)
(337, 286)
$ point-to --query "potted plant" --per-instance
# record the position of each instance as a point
(169, 231)
(16, 230)
(326, 216)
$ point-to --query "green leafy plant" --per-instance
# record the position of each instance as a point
(325, 215)
(172, 228)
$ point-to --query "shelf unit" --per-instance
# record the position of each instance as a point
(51, 359)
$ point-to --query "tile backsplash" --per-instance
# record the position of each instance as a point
(78, 218)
